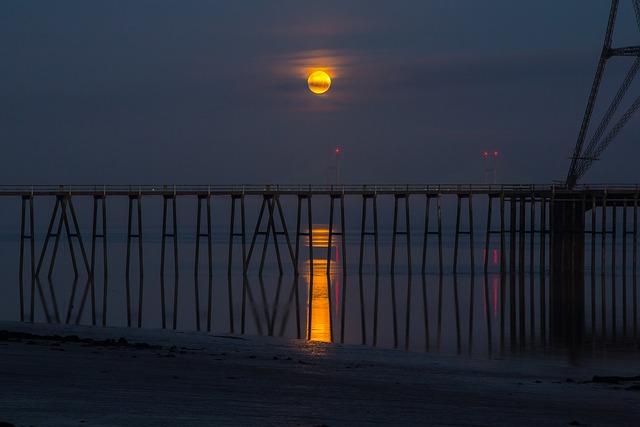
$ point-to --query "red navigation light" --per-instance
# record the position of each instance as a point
(495, 153)
(485, 154)
(337, 150)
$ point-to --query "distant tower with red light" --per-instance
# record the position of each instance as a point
(333, 166)
(490, 161)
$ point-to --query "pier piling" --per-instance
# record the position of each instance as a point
(373, 232)
(428, 232)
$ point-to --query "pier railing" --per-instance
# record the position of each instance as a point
(352, 189)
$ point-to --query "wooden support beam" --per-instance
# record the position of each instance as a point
(233, 233)
(27, 234)
(428, 232)
(203, 199)
(308, 234)
(374, 232)
(271, 202)
(406, 232)
(171, 233)
(341, 233)
(63, 204)
(99, 216)
(137, 234)
(469, 231)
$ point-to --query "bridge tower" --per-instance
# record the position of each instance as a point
(568, 211)
(584, 157)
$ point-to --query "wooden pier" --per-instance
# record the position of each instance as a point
(519, 218)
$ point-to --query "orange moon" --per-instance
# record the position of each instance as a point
(319, 82)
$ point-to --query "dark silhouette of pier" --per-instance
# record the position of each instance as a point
(559, 218)
(533, 241)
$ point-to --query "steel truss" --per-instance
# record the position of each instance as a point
(583, 158)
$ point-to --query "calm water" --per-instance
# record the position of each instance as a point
(519, 314)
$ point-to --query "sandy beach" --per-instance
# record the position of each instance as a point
(54, 375)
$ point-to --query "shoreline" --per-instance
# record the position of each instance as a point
(121, 376)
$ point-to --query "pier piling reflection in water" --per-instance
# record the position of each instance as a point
(461, 314)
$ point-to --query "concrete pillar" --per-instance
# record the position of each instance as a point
(567, 293)
(567, 244)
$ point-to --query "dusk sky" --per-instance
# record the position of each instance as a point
(215, 92)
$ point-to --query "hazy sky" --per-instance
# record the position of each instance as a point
(215, 91)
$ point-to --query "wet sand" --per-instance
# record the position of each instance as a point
(54, 375)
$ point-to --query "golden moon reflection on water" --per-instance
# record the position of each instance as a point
(319, 82)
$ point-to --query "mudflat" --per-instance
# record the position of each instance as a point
(60, 375)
